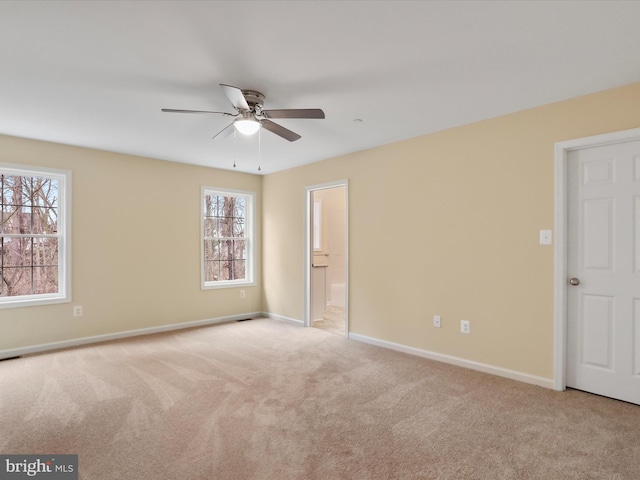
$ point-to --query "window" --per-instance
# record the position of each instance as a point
(227, 238)
(317, 225)
(34, 236)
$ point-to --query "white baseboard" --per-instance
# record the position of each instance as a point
(502, 372)
(282, 318)
(16, 352)
(460, 362)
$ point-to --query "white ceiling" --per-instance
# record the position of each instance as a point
(97, 73)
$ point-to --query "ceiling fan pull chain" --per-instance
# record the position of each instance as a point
(259, 149)
(234, 147)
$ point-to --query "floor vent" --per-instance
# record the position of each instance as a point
(243, 320)
(9, 358)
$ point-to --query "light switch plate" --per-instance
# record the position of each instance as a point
(546, 237)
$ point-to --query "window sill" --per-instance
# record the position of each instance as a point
(227, 284)
(32, 301)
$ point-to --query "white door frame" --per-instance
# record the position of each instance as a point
(562, 150)
(308, 250)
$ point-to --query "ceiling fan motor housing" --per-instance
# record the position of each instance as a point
(254, 99)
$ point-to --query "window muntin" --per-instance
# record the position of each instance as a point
(33, 236)
(227, 247)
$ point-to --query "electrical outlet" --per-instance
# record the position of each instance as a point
(77, 311)
(242, 294)
(436, 321)
(465, 326)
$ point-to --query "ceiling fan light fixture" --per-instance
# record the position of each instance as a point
(247, 124)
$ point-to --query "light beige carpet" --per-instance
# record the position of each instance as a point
(263, 399)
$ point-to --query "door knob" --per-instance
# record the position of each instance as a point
(574, 281)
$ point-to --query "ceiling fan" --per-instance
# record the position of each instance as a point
(250, 115)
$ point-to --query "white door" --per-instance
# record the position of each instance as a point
(603, 317)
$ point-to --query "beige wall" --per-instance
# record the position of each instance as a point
(469, 201)
(136, 245)
(446, 224)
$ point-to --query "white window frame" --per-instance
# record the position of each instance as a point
(250, 201)
(63, 177)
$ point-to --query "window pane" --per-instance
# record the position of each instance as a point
(217, 205)
(45, 280)
(209, 206)
(16, 252)
(238, 262)
(239, 249)
(9, 219)
(220, 227)
(44, 220)
(45, 192)
(16, 190)
(239, 269)
(211, 250)
(16, 219)
(223, 270)
(210, 271)
(45, 251)
(209, 227)
(16, 281)
(238, 227)
(7, 191)
(26, 184)
(225, 250)
(225, 227)
(228, 206)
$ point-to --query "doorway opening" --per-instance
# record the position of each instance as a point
(326, 257)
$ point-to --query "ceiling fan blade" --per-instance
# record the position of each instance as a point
(280, 130)
(234, 94)
(173, 110)
(294, 113)
(225, 132)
